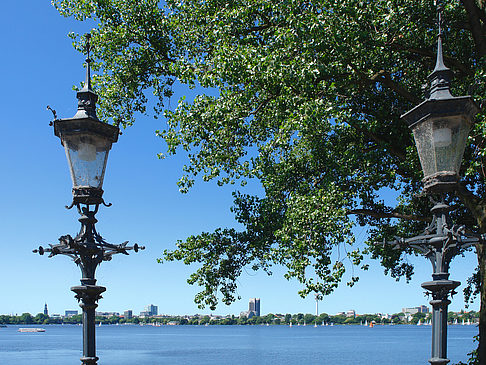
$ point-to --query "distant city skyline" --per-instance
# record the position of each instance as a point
(253, 306)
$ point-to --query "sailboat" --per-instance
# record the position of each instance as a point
(419, 322)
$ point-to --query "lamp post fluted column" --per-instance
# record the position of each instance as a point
(88, 249)
(440, 243)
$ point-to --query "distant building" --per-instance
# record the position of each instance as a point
(247, 314)
(414, 310)
(254, 306)
(351, 313)
(151, 310)
(423, 309)
(107, 314)
(70, 313)
(410, 310)
(46, 312)
(128, 314)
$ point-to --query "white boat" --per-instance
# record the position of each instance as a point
(30, 329)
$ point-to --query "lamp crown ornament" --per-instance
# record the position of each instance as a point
(441, 125)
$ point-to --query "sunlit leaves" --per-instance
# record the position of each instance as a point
(304, 96)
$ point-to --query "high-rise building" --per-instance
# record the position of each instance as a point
(46, 312)
(151, 310)
(128, 314)
(254, 306)
(423, 309)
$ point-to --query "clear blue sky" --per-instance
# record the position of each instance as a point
(39, 67)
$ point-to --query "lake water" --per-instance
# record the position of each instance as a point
(233, 345)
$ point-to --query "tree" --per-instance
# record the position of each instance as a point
(26, 318)
(417, 317)
(309, 318)
(323, 318)
(309, 98)
(41, 318)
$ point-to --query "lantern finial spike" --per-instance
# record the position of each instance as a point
(87, 83)
(440, 78)
(86, 96)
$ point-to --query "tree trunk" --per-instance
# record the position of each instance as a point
(481, 253)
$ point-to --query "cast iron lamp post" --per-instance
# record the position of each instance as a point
(440, 127)
(87, 141)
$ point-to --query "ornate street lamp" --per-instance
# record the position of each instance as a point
(87, 142)
(440, 127)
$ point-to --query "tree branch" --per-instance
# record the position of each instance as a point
(375, 214)
(431, 54)
(379, 140)
(475, 14)
(474, 204)
(385, 78)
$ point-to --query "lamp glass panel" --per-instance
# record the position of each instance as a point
(440, 143)
(87, 156)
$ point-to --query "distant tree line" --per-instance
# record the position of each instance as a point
(271, 319)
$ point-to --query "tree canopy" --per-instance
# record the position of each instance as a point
(306, 97)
